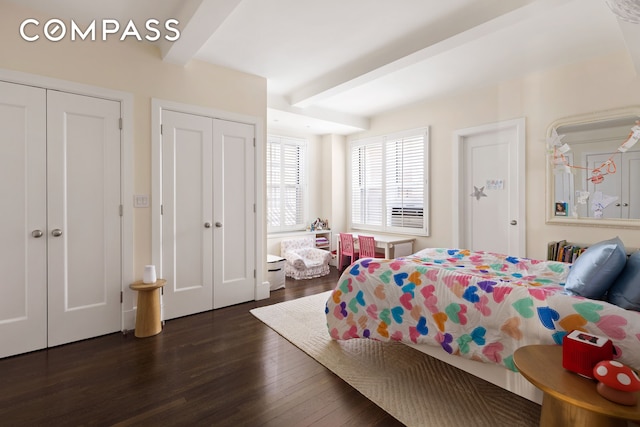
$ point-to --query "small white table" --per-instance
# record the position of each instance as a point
(383, 241)
(275, 272)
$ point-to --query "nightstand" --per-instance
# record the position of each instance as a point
(569, 399)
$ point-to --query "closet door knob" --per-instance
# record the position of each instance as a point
(513, 222)
(218, 224)
(37, 233)
(56, 232)
(207, 225)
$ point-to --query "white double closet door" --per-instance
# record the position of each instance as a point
(60, 255)
(208, 213)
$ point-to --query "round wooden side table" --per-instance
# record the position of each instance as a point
(148, 322)
(569, 399)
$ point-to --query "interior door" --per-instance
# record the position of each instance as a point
(83, 206)
(187, 213)
(234, 213)
(208, 217)
(23, 250)
(492, 188)
(630, 179)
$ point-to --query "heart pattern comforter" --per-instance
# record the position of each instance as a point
(478, 305)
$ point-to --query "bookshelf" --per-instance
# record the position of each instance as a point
(323, 239)
(564, 251)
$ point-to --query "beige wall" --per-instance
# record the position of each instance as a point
(136, 68)
(335, 176)
(541, 98)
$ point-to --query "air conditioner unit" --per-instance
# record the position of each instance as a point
(411, 217)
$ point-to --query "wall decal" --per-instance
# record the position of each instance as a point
(495, 184)
(478, 192)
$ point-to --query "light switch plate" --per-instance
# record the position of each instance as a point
(141, 201)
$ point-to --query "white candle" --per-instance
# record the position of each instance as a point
(149, 275)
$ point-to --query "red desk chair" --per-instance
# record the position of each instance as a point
(367, 246)
(347, 249)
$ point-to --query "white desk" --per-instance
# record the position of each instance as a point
(383, 241)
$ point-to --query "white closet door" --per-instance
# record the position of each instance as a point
(630, 166)
(234, 215)
(84, 233)
(23, 305)
(208, 220)
(187, 219)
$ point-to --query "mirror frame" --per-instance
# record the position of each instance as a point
(550, 178)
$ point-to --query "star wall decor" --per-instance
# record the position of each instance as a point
(478, 192)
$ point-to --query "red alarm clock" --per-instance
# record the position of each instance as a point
(582, 351)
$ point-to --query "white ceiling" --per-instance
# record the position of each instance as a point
(332, 64)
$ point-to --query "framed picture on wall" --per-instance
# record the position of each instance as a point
(562, 208)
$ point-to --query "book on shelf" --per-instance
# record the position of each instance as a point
(564, 251)
(322, 241)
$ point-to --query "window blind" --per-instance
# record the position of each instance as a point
(286, 183)
(367, 184)
(405, 182)
(388, 183)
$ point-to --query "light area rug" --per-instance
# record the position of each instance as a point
(413, 387)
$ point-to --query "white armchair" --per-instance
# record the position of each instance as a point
(303, 259)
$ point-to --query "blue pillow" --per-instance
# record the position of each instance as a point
(625, 292)
(595, 271)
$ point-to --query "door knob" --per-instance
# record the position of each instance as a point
(218, 224)
(625, 204)
(513, 222)
(37, 233)
(207, 225)
(56, 232)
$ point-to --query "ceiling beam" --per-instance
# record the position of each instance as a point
(199, 20)
(466, 26)
(359, 123)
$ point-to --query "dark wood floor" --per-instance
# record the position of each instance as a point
(222, 367)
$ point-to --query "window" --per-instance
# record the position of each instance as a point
(389, 189)
(286, 183)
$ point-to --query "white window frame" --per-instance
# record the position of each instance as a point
(303, 171)
(385, 220)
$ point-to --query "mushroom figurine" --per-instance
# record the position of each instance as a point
(617, 382)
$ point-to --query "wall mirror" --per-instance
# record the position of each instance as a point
(592, 178)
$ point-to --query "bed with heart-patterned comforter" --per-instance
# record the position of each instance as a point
(478, 305)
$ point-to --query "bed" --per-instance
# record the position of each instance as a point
(467, 307)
